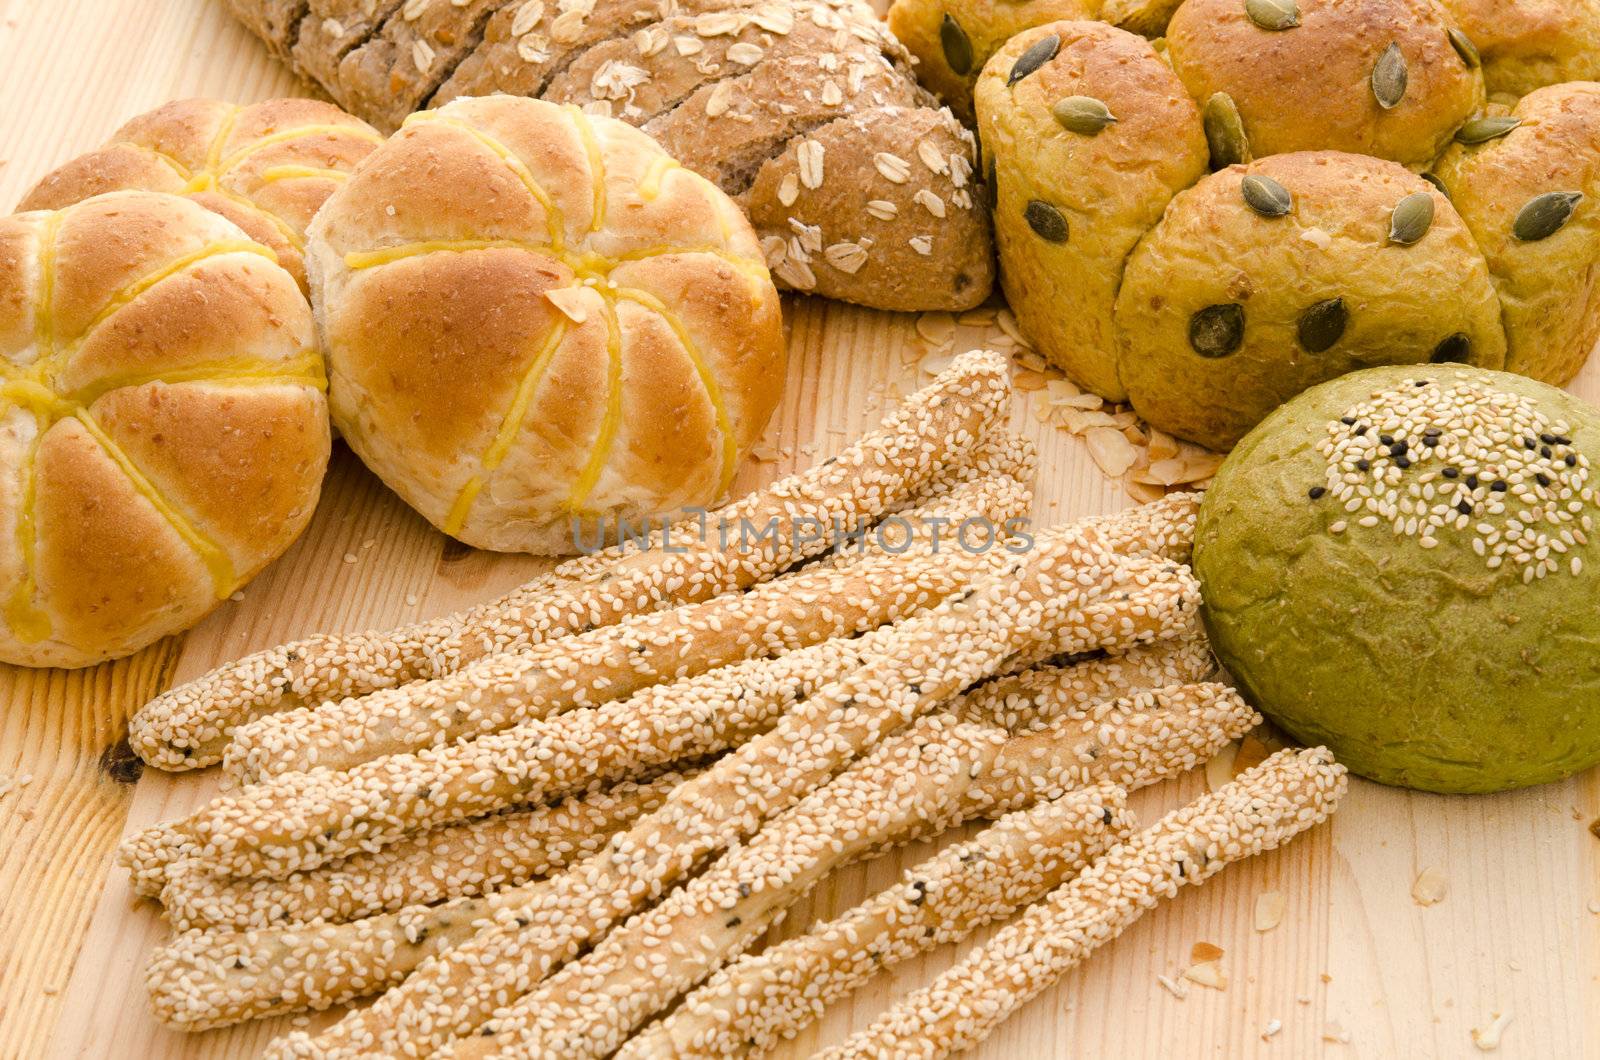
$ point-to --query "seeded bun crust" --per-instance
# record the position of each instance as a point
(1432, 629)
(1547, 285)
(1104, 189)
(1310, 87)
(1528, 44)
(267, 167)
(164, 431)
(1400, 304)
(953, 39)
(533, 316)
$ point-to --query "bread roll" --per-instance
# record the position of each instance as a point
(1317, 85)
(1523, 182)
(1073, 201)
(1528, 44)
(1226, 313)
(163, 432)
(267, 167)
(538, 323)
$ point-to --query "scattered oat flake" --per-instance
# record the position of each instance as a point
(1487, 1039)
(1594, 907)
(1206, 973)
(1177, 989)
(1029, 382)
(349, 557)
(1112, 452)
(570, 301)
(1143, 492)
(1332, 1031)
(1219, 768)
(937, 329)
(1430, 887)
(935, 363)
(1252, 752)
(1270, 906)
(981, 317)
(1272, 1028)
(1203, 952)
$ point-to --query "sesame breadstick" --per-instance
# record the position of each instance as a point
(810, 605)
(1133, 741)
(755, 1002)
(189, 726)
(1265, 807)
(150, 854)
(940, 773)
(451, 861)
(1064, 596)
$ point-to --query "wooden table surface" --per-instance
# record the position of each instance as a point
(1518, 933)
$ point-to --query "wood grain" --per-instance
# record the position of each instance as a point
(1402, 980)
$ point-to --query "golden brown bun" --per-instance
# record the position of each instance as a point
(164, 432)
(1310, 87)
(1548, 287)
(1528, 44)
(532, 314)
(1211, 249)
(1107, 188)
(895, 226)
(267, 167)
(969, 32)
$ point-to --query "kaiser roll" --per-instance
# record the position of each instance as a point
(163, 428)
(267, 167)
(538, 324)
(1087, 147)
(1375, 77)
(1528, 44)
(1263, 280)
(1529, 197)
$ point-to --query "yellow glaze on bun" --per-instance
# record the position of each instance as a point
(163, 431)
(538, 323)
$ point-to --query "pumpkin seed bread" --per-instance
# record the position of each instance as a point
(1375, 77)
(731, 88)
(1090, 135)
(1529, 196)
(1529, 44)
(1263, 280)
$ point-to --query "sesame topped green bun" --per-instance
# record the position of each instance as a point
(1401, 564)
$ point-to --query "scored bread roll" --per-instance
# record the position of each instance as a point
(1529, 197)
(1226, 312)
(163, 434)
(538, 324)
(267, 167)
(1077, 188)
(1376, 77)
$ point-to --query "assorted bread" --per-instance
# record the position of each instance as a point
(539, 325)
(164, 432)
(778, 102)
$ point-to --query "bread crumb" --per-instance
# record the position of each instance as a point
(1219, 768)
(1430, 887)
(1487, 1039)
(1332, 1031)
(1206, 973)
(1270, 906)
(1203, 952)
(1173, 987)
(236, 596)
(349, 557)
(1272, 1028)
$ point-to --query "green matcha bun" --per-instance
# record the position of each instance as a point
(1400, 564)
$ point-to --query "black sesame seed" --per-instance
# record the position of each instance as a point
(1548, 439)
(1450, 472)
(1529, 443)
(1348, 421)
(1465, 507)
(1402, 462)
(1360, 431)
(1432, 432)
(1544, 451)
(1363, 464)
(1422, 382)
(1318, 492)
(1472, 481)
(1430, 442)
(1572, 459)
(1398, 449)
(1386, 439)
(1562, 439)
(1499, 485)
(1542, 478)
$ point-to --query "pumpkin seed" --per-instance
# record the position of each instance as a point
(1482, 130)
(1436, 182)
(1225, 132)
(1453, 350)
(957, 46)
(1266, 196)
(1389, 77)
(1322, 325)
(1046, 221)
(1217, 330)
(1039, 52)
(1544, 215)
(1466, 49)
(1273, 14)
(1082, 114)
(1412, 217)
